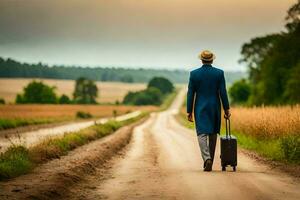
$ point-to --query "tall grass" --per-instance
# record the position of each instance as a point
(14, 162)
(271, 131)
(267, 122)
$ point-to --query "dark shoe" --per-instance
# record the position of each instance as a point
(208, 165)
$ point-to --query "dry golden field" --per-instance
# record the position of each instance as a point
(64, 111)
(266, 122)
(272, 132)
(109, 92)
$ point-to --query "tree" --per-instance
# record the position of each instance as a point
(130, 98)
(127, 79)
(157, 88)
(2, 101)
(19, 99)
(273, 63)
(239, 92)
(37, 92)
(161, 83)
(85, 92)
(292, 92)
(292, 18)
(150, 96)
(254, 53)
(64, 99)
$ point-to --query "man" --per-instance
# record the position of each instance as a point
(207, 84)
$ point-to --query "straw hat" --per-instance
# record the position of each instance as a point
(207, 56)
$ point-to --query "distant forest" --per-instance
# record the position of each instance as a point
(10, 68)
(273, 62)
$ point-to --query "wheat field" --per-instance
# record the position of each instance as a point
(266, 122)
(109, 92)
(65, 111)
(260, 122)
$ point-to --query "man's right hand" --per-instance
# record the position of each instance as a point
(227, 114)
(190, 117)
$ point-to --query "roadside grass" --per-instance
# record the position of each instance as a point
(169, 99)
(18, 160)
(182, 118)
(83, 115)
(18, 122)
(14, 162)
(284, 148)
(270, 149)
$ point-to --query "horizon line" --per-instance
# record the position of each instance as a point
(157, 68)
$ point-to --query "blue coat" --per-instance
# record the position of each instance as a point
(207, 83)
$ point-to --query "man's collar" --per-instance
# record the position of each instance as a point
(206, 65)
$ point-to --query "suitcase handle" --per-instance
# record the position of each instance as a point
(227, 122)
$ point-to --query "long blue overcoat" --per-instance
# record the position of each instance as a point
(206, 91)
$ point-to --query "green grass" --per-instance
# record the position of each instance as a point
(284, 149)
(14, 162)
(83, 115)
(291, 148)
(270, 149)
(18, 160)
(14, 123)
(168, 100)
(182, 118)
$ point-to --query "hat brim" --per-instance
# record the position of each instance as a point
(208, 59)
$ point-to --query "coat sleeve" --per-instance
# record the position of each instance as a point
(223, 93)
(190, 96)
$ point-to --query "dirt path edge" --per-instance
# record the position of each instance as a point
(53, 178)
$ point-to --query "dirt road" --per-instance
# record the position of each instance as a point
(163, 162)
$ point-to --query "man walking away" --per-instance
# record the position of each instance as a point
(205, 91)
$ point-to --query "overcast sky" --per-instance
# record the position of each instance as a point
(135, 33)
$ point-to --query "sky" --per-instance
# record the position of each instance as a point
(166, 34)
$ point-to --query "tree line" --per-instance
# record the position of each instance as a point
(273, 63)
(13, 68)
(10, 68)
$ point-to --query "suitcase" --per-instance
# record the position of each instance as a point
(228, 149)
